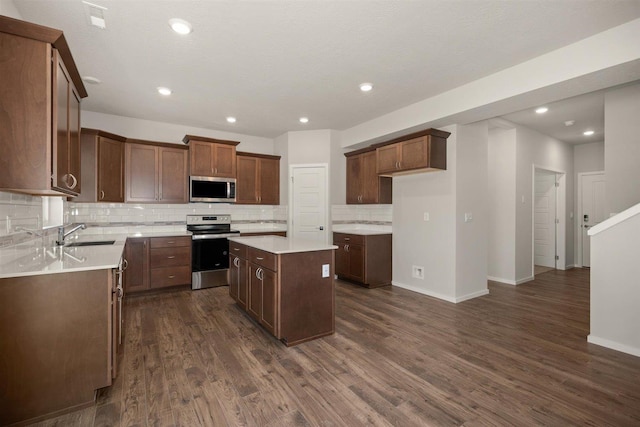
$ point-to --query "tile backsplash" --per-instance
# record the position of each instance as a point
(362, 214)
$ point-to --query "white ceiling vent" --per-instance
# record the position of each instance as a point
(95, 14)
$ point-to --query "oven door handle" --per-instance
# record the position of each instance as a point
(214, 236)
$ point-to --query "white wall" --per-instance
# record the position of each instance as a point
(169, 132)
(8, 8)
(281, 148)
(502, 205)
(312, 146)
(622, 147)
(337, 171)
(472, 195)
(615, 294)
(545, 152)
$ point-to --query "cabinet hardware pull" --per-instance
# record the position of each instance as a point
(171, 256)
(65, 179)
(126, 264)
(101, 194)
(170, 243)
(347, 238)
(171, 277)
(236, 249)
(259, 258)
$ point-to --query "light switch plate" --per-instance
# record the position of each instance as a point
(426, 216)
(325, 270)
(468, 217)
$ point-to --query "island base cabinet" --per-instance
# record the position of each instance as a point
(285, 293)
(364, 259)
(56, 344)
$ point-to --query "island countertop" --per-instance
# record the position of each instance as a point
(282, 245)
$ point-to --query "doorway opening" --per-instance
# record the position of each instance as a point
(548, 220)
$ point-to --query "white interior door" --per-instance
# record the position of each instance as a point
(309, 208)
(593, 192)
(544, 230)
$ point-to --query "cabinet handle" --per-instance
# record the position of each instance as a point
(346, 248)
(236, 249)
(171, 277)
(65, 179)
(236, 262)
(171, 256)
(347, 238)
(259, 258)
(101, 194)
(170, 242)
(126, 264)
(260, 198)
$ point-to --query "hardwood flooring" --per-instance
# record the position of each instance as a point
(518, 356)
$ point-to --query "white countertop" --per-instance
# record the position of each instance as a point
(31, 259)
(362, 231)
(282, 245)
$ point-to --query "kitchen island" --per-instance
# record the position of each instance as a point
(285, 284)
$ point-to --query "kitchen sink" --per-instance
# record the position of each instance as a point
(93, 243)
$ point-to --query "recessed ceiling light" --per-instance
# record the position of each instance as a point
(588, 132)
(231, 119)
(180, 26)
(366, 87)
(91, 80)
(541, 110)
(164, 91)
(304, 119)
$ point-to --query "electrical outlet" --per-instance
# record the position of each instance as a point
(325, 270)
(417, 272)
(468, 217)
(426, 216)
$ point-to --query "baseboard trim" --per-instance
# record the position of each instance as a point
(509, 281)
(447, 298)
(613, 345)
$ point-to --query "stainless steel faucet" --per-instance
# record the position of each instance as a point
(62, 235)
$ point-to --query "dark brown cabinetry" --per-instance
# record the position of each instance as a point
(40, 125)
(211, 157)
(363, 183)
(258, 179)
(365, 259)
(102, 167)
(422, 151)
(157, 262)
(156, 173)
(285, 293)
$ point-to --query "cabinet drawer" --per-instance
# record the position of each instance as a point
(167, 257)
(262, 258)
(238, 250)
(170, 242)
(355, 239)
(170, 276)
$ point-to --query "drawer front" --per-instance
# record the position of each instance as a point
(170, 276)
(238, 250)
(167, 257)
(262, 258)
(355, 239)
(170, 242)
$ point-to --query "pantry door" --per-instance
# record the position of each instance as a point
(309, 211)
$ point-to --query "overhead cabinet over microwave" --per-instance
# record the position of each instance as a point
(211, 157)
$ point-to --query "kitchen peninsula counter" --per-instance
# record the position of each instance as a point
(284, 284)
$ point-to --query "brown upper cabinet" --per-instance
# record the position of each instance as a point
(363, 183)
(102, 167)
(419, 152)
(258, 179)
(40, 125)
(156, 172)
(211, 157)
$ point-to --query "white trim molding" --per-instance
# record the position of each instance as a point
(509, 281)
(613, 345)
(447, 298)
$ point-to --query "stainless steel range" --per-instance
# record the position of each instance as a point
(209, 249)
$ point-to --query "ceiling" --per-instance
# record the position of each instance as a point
(267, 63)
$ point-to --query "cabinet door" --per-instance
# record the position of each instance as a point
(141, 177)
(370, 179)
(243, 286)
(201, 158)
(354, 179)
(388, 158)
(136, 274)
(269, 180)
(254, 299)
(173, 175)
(269, 299)
(63, 178)
(75, 160)
(224, 160)
(342, 259)
(234, 276)
(414, 153)
(356, 262)
(247, 180)
(110, 170)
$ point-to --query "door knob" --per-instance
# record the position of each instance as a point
(321, 228)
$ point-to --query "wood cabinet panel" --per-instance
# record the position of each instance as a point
(136, 275)
(364, 185)
(40, 125)
(211, 157)
(174, 164)
(169, 257)
(419, 152)
(258, 179)
(254, 298)
(110, 170)
(269, 300)
(168, 242)
(238, 280)
(388, 158)
(365, 259)
(141, 177)
(163, 277)
(263, 258)
(238, 249)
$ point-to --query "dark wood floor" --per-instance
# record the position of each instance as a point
(518, 356)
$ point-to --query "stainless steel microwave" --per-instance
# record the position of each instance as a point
(207, 189)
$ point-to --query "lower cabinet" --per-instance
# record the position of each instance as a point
(365, 259)
(286, 294)
(157, 262)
